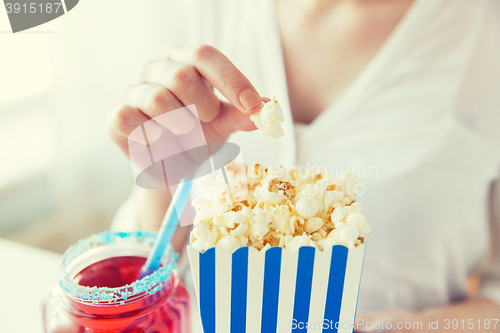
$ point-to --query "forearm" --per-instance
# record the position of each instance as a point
(153, 205)
(467, 316)
(475, 313)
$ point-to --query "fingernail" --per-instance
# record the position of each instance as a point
(137, 135)
(153, 130)
(249, 99)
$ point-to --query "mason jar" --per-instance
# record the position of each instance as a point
(98, 292)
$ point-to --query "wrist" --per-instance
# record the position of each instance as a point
(153, 205)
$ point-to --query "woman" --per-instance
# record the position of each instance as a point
(403, 92)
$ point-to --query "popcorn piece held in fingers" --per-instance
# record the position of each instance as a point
(269, 119)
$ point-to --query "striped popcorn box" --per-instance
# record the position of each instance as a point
(277, 291)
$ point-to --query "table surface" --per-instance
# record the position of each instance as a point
(26, 273)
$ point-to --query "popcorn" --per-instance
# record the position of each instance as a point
(254, 174)
(349, 181)
(202, 246)
(224, 231)
(240, 230)
(243, 240)
(229, 219)
(345, 235)
(299, 241)
(325, 243)
(359, 222)
(258, 230)
(281, 220)
(206, 234)
(212, 211)
(261, 217)
(307, 207)
(269, 119)
(229, 243)
(338, 214)
(286, 207)
(350, 210)
(316, 237)
(313, 224)
(269, 192)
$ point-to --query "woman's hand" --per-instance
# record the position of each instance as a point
(472, 315)
(395, 321)
(186, 77)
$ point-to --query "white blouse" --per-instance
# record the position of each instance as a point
(419, 126)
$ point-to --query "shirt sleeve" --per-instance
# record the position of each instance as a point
(490, 274)
(478, 100)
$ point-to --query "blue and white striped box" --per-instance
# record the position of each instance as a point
(277, 291)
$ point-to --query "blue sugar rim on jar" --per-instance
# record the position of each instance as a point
(97, 295)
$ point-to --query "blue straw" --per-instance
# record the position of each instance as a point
(167, 228)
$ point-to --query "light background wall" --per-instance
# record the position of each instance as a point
(61, 177)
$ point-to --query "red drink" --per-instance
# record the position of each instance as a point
(112, 273)
(99, 294)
